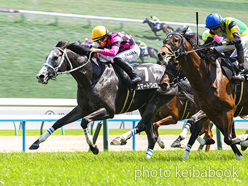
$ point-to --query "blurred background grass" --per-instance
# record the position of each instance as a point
(27, 39)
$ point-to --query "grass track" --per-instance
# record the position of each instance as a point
(120, 168)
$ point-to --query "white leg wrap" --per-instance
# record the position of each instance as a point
(160, 143)
(243, 137)
(186, 152)
(148, 154)
(128, 135)
(185, 131)
(88, 136)
(201, 140)
(44, 136)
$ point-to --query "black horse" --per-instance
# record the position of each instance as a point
(103, 91)
(152, 52)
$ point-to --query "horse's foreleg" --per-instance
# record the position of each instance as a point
(100, 114)
(166, 121)
(72, 116)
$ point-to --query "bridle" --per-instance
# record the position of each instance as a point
(179, 51)
(64, 56)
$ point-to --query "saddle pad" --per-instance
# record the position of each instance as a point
(148, 79)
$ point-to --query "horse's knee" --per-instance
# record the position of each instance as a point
(84, 123)
(227, 140)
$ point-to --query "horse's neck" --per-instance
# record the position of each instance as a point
(88, 74)
(195, 69)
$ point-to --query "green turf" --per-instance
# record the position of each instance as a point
(27, 39)
(123, 168)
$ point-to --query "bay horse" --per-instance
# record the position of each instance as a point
(163, 26)
(179, 108)
(102, 92)
(214, 93)
(152, 52)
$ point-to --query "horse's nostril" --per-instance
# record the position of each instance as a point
(40, 76)
(163, 53)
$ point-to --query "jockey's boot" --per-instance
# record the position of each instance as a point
(240, 75)
(128, 69)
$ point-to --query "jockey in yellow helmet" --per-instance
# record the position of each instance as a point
(121, 49)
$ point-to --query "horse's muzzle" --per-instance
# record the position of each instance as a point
(42, 78)
(163, 58)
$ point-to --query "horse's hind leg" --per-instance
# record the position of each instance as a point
(72, 116)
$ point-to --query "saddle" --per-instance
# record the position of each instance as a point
(230, 67)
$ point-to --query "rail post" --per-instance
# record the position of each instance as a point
(219, 141)
(105, 135)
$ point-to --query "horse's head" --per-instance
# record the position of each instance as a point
(145, 20)
(54, 63)
(173, 48)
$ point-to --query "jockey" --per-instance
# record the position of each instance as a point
(155, 20)
(89, 42)
(121, 49)
(143, 47)
(235, 33)
(189, 30)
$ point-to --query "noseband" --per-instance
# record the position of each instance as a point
(64, 55)
(177, 52)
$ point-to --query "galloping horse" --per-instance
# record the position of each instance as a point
(179, 108)
(152, 52)
(214, 93)
(163, 26)
(103, 91)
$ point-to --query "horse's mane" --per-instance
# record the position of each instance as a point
(79, 49)
(206, 54)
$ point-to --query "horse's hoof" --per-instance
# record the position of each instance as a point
(35, 145)
(243, 148)
(176, 144)
(94, 149)
(209, 141)
(118, 141)
(161, 144)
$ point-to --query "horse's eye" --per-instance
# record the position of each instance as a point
(176, 40)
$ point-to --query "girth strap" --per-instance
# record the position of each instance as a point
(128, 101)
(186, 110)
(238, 93)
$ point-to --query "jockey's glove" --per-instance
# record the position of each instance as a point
(94, 50)
(216, 43)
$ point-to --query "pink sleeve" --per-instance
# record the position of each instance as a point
(217, 38)
(112, 52)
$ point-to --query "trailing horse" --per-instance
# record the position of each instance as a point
(163, 26)
(105, 90)
(214, 92)
(179, 108)
(152, 52)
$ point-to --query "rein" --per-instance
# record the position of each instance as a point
(178, 53)
(55, 70)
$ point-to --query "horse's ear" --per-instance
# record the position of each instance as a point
(184, 30)
(61, 44)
